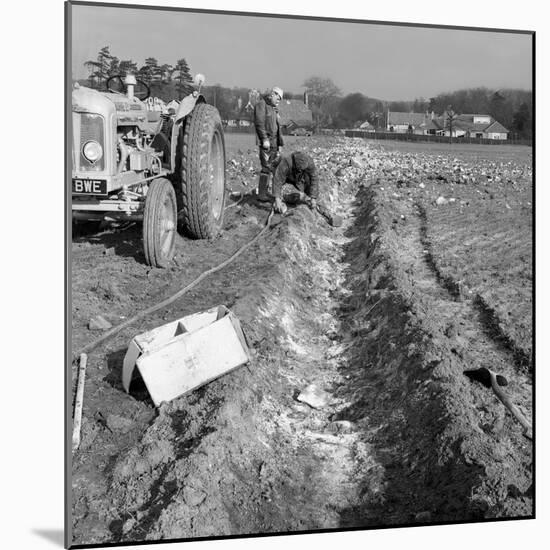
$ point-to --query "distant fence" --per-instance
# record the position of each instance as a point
(436, 139)
(246, 130)
(238, 129)
(395, 136)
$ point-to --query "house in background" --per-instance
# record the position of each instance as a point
(366, 126)
(496, 131)
(482, 126)
(466, 125)
(295, 113)
(411, 123)
(432, 127)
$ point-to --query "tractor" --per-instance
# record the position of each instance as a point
(165, 169)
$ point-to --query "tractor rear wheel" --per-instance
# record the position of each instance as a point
(203, 173)
(160, 218)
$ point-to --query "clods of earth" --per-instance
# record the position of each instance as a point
(354, 410)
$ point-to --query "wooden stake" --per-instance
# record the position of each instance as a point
(77, 420)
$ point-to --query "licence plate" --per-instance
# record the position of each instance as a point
(86, 186)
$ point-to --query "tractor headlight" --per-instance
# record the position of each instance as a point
(92, 150)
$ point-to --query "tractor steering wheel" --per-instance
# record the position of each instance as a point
(142, 95)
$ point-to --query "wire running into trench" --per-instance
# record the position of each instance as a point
(87, 348)
(236, 203)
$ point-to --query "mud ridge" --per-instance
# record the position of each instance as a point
(487, 316)
(448, 283)
(493, 328)
(398, 393)
(433, 450)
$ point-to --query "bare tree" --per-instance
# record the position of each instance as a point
(450, 119)
(321, 91)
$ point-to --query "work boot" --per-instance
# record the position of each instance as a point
(263, 186)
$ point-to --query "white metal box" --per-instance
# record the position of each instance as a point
(182, 355)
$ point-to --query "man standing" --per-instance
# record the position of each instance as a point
(295, 181)
(268, 137)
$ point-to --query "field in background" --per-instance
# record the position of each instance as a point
(520, 153)
(479, 236)
(244, 142)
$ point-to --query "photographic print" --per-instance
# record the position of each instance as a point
(300, 275)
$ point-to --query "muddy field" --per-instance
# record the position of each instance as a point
(429, 276)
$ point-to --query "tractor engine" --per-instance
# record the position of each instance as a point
(134, 151)
(117, 141)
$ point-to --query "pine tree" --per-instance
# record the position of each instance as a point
(166, 72)
(184, 82)
(99, 68)
(128, 67)
(149, 71)
(114, 66)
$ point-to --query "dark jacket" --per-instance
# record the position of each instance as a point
(304, 180)
(266, 121)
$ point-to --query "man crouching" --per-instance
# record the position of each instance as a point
(295, 180)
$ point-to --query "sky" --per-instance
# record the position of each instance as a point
(387, 62)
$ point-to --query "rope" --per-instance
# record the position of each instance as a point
(87, 348)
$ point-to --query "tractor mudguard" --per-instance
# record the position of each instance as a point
(187, 104)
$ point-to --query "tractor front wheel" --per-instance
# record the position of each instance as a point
(159, 223)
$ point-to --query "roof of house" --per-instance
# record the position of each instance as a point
(365, 124)
(295, 110)
(477, 128)
(433, 124)
(464, 124)
(414, 119)
(470, 116)
(496, 128)
(459, 124)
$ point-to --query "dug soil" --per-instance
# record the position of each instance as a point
(359, 316)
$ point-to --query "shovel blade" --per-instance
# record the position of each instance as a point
(483, 375)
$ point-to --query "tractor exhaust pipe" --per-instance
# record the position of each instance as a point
(130, 82)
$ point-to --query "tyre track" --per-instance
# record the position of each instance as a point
(485, 322)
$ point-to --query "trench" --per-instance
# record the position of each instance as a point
(400, 436)
(262, 460)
